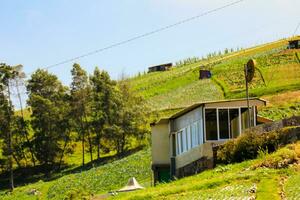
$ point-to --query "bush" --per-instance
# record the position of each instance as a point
(248, 145)
(281, 158)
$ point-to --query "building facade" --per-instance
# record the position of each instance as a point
(182, 144)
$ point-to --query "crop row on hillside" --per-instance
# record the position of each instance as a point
(246, 180)
(279, 71)
(101, 179)
(198, 91)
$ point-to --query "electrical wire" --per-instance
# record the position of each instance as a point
(143, 35)
(296, 29)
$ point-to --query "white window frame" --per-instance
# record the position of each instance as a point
(188, 137)
(218, 128)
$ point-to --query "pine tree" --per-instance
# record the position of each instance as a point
(80, 104)
(103, 89)
(48, 100)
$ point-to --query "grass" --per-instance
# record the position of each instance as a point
(277, 79)
(200, 90)
(86, 183)
(292, 187)
(281, 105)
(278, 70)
(233, 181)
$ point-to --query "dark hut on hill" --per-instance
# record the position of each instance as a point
(294, 43)
(204, 73)
(162, 67)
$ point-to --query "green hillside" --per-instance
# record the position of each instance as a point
(278, 71)
(82, 184)
(246, 180)
(277, 80)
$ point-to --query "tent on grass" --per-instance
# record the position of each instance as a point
(131, 186)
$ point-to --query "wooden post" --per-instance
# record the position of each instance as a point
(247, 96)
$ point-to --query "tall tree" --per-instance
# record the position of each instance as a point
(102, 103)
(80, 101)
(6, 113)
(48, 100)
(130, 118)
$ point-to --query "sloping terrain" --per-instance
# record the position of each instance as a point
(264, 178)
(278, 71)
(83, 184)
(277, 79)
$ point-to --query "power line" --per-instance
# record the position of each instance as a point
(143, 35)
(296, 29)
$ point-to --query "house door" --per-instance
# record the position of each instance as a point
(164, 175)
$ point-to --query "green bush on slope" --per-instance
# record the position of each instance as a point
(248, 145)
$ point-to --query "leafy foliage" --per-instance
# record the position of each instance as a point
(248, 145)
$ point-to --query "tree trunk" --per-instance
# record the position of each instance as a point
(98, 146)
(89, 137)
(9, 136)
(82, 141)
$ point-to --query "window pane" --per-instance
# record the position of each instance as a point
(211, 124)
(189, 139)
(184, 141)
(234, 123)
(245, 118)
(194, 134)
(223, 124)
(200, 131)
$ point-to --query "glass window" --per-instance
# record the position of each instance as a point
(178, 135)
(245, 118)
(188, 137)
(200, 132)
(194, 135)
(234, 123)
(211, 124)
(184, 141)
(223, 124)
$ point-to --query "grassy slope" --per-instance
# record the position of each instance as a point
(281, 105)
(278, 72)
(175, 88)
(180, 87)
(96, 180)
(233, 181)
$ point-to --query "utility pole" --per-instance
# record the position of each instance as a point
(247, 96)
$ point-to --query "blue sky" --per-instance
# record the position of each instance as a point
(38, 33)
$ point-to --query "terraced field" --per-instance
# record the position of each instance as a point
(278, 71)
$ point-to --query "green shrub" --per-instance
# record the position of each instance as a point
(280, 159)
(249, 145)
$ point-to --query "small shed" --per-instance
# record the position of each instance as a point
(204, 74)
(162, 67)
(294, 44)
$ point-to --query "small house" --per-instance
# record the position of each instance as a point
(182, 144)
(162, 67)
(294, 44)
(204, 74)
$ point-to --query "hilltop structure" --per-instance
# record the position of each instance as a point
(182, 144)
(204, 74)
(295, 43)
(162, 67)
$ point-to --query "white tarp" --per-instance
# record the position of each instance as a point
(131, 185)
